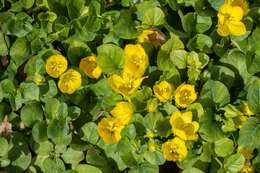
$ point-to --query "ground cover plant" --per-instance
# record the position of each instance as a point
(129, 86)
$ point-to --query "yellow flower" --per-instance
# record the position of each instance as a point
(124, 84)
(136, 60)
(123, 112)
(163, 91)
(149, 134)
(152, 105)
(69, 81)
(229, 21)
(184, 95)
(110, 130)
(152, 146)
(183, 126)
(240, 3)
(247, 153)
(56, 65)
(174, 150)
(245, 109)
(153, 36)
(247, 169)
(90, 67)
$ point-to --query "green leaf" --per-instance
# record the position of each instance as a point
(30, 91)
(27, 3)
(200, 42)
(53, 165)
(90, 133)
(72, 156)
(215, 91)
(253, 96)
(110, 58)
(155, 158)
(179, 58)
(3, 44)
(83, 168)
(234, 163)
(4, 147)
(249, 134)
(55, 109)
(77, 49)
(203, 23)
(43, 148)
(223, 74)
(144, 168)
(188, 22)
(58, 131)
(153, 16)
(125, 27)
(31, 113)
(224, 147)
(216, 3)
(19, 51)
(74, 8)
(192, 170)
(211, 132)
(39, 132)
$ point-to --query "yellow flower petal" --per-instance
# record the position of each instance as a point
(223, 30)
(56, 65)
(236, 28)
(185, 95)
(69, 81)
(174, 150)
(90, 67)
(237, 13)
(136, 60)
(183, 126)
(110, 130)
(123, 112)
(163, 91)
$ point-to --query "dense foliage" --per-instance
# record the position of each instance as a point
(92, 86)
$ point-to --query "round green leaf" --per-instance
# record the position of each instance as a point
(110, 58)
(31, 113)
(224, 147)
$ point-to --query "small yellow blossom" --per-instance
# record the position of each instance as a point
(163, 91)
(152, 105)
(183, 126)
(150, 134)
(123, 112)
(69, 81)
(245, 109)
(247, 169)
(125, 84)
(90, 67)
(136, 60)
(229, 21)
(56, 65)
(247, 153)
(152, 146)
(152, 36)
(110, 130)
(240, 3)
(174, 150)
(185, 95)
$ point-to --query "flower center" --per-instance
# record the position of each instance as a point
(56, 66)
(174, 150)
(185, 95)
(137, 60)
